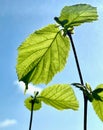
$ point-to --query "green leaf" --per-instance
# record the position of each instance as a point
(42, 55)
(98, 103)
(78, 14)
(88, 95)
(28, 104)
(98, 92)
(88, 87)
(59, 96)
(78, 85)
(62, 23)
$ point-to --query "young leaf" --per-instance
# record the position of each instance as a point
(78, 14)
(98, 102)
(78, 85)
(62, 23)
(88, 87)
(60, 96)
(98, 90)
(88, 95)
(42, 55)
(28, 103)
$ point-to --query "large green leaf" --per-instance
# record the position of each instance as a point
(28, 103)
(42, 55)
(60, 96)
(78, 14)
(98, 101)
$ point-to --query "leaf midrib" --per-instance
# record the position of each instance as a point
(43, 54)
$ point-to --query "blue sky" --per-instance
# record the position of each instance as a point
(19, 18)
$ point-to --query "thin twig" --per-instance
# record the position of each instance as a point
(32, 106)
(81, 79)
(31, 116)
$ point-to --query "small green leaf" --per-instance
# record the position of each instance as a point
(62, 23)
(86, 90)
(89, 95)
(60, 96)
(98, 90)
(97, 97)
(78, 14)
(98, 101)
(42, 55)
(88, 87)
(98, 93)
(28, 103)
(78, 85)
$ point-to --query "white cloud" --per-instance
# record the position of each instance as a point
(7, 122)
(31, 88)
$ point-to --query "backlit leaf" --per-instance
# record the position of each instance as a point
(98, 103)
(42, 55)
(60, 96)
(28, 104)
(78, 14)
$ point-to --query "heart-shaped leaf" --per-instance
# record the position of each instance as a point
(59, 96)
(42, 55)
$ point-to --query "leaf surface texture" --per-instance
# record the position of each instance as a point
(78, 14)
(60, 96)
(42, 55)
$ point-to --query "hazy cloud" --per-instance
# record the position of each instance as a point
(7, 122)
(31, 88)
